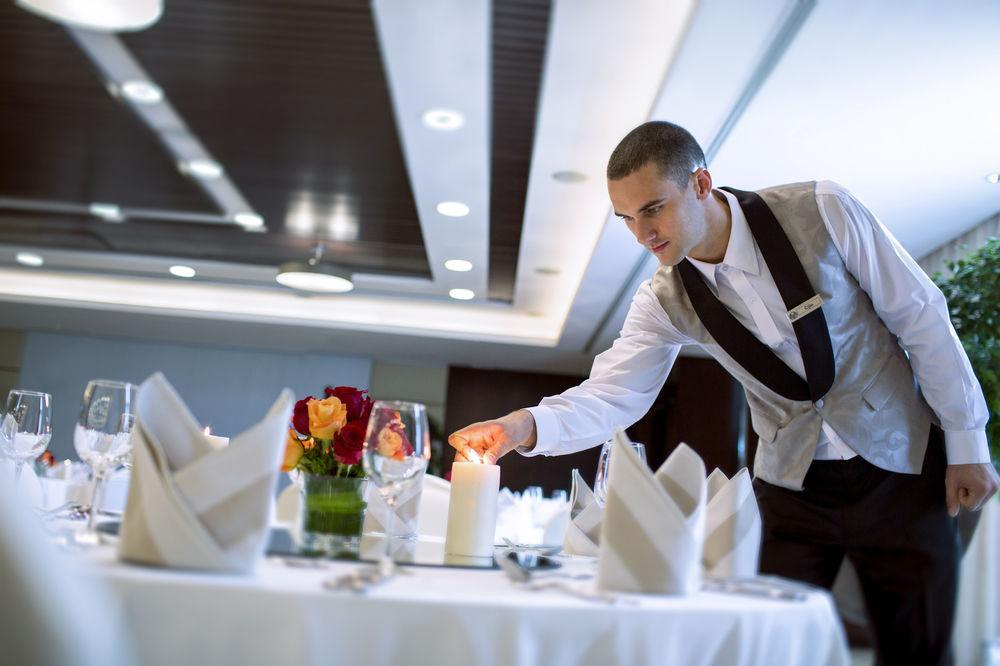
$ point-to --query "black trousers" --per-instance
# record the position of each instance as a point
(897, 533)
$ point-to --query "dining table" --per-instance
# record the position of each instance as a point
(294, 610)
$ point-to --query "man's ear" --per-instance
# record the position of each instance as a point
(702, 183)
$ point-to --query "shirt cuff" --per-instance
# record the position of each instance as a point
(966, 447)
(546, 431)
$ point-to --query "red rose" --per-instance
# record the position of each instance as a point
(359, 404)
(300, 416)
(349, 442)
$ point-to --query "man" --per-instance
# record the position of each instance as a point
(849, 363)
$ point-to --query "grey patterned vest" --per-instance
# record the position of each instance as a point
(874, 403)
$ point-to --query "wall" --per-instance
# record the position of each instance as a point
(957, 248)
(11, 343)
(700, 404)
(226, 388)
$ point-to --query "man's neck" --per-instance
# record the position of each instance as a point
(719, 223)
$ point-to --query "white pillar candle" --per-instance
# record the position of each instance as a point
(472, 509)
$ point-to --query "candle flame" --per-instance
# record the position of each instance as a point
(471, 455)
(207, 431)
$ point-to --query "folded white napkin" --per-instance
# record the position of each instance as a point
(407, 510)
(191, 505)
(732, 526)
(583, 532)
(653, 526)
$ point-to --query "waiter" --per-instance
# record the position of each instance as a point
(871, 423)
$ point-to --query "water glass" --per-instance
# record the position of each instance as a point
(397, 449)
(26, 427)
(604, 467)
(103, 438)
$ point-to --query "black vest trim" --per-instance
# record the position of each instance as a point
(793, 284)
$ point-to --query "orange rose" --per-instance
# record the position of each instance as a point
(390, 443)
(293, 452)
(326, 417)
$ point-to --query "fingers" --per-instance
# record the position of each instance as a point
(951, 494)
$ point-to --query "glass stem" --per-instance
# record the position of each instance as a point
(18, 464)
(96, 500)
(386, 566)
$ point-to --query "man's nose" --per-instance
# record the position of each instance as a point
(644, 233)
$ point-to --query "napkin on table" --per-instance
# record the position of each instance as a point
(194, 506)
(651, 537)
(406, 515)
(583, 532)
(732, 526)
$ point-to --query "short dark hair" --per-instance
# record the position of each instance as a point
(669, 146)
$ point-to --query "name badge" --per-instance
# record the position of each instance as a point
(804, 308)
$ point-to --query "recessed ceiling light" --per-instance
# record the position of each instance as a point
(462, 294)
(443, 119)
(29, 259)
(248, 220)
(182, 271)
(993, 178)
(142, 92)
(458, 265)
(453, 208)
(200, 168)
(569, 177)
(547, 270)
(314, 281)
(107, 212)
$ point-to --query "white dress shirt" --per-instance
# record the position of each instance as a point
(626, 379)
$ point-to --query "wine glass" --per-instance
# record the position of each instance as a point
(102, 438)
(26, 427)
(397, 449)
(604, 468)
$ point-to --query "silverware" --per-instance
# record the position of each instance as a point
(763, 587)
(523, 578)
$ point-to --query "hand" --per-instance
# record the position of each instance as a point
(490, 440)
(969, 486)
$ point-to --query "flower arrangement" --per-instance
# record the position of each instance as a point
(328, 434)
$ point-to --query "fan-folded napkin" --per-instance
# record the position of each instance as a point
(732, 526)
(194, 506)
(407, 512)
(583, 533)
(651, 537)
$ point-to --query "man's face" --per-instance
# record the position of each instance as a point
(664, 218)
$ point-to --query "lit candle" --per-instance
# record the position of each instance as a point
(472, 509)
(216, 441)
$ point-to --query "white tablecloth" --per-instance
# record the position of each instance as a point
(438, 617)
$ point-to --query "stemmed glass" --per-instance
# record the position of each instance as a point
(397, 449)
(102, 438)
(26, 428)
(604, 467)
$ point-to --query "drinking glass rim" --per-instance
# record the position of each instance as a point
(111, 383)
(29, 392)
(395, 404)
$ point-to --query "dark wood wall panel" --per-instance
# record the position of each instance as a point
(700, 404)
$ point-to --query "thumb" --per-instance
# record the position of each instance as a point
(951, 494)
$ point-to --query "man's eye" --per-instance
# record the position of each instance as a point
(653, 211)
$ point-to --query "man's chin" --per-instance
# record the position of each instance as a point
(668, 258)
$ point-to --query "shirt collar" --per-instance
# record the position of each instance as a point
(741, 252)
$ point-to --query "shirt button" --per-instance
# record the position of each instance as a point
(819, 404)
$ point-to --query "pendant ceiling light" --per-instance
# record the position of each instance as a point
(315, 275)
(103, 15)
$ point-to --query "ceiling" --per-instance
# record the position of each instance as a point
(314, 110)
